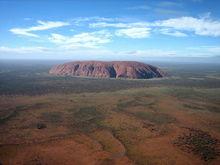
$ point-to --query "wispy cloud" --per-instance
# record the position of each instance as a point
(118, 25)
(24, 50)
(200, 26)
(42, 25)
(60, 53)
(134, 32)
(91, 53)
(151, 53)
(96, 18)
(82, 40)
(106, 25)
(203, 26)
(105, 30)
(171, 32)
(204, 51)
(178, 27)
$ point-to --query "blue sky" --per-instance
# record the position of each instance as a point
(109, 29)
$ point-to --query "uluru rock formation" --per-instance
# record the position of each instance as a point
(103, 69)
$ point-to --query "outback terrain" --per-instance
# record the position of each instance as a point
(47, 119)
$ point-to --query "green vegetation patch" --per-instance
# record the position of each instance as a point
(52, 117)
(154, 117)
(213, 109)
(13, 112)
(32, 106)
(8, 116)
(199, 143)
(210, 108)
(204, 95)
(87, 119)
(136, 101)
(195, 107)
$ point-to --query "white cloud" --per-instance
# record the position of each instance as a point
(151, 53)
(200, 26)
(171, 32)
(60, 53)
(204, 51)
(214, 49)
(82, 40)
(87, 41)
(178, 27)
(203, 26)
(96, 19)
(22, 32)
(134, 32)
(42, 25)
(118, 25)
(105, 25)
(23, 50)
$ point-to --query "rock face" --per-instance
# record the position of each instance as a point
(113, 69)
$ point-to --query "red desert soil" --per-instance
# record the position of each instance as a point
(76, 150)
(113, 69)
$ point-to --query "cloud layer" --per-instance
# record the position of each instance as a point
(82, 40)
(135, 32)
(199, 26)
(178, 27)
(42, 25)
(175, 27)
(97, 32)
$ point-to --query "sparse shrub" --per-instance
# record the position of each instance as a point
(41, 125)
(199, 143)
(12, 113)
(133, 103)
(154, 117)
(52, 117)
(87, 119)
